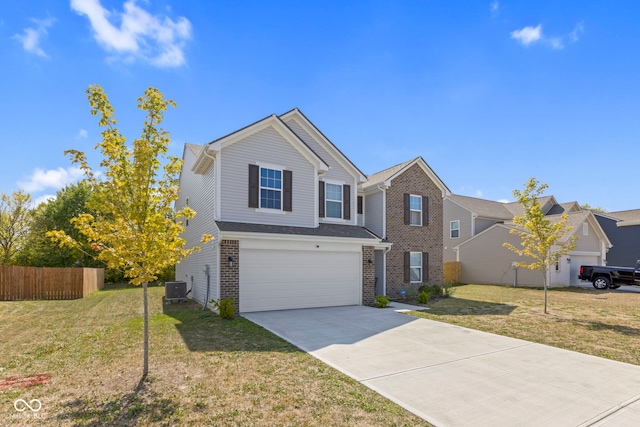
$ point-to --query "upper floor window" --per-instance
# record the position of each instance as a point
(334, 200)
(416, 210)
(455, 229)
(270, 188)
(415, 206)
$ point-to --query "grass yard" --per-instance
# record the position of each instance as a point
(82, 359)
(600, 323)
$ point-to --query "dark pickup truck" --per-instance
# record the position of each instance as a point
(604, 277)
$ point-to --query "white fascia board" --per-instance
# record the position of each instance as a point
(238, 235)
(326, 144)
(204, 160)
(627, 223)
(428, 171)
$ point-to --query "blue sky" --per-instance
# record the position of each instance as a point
(489, 93)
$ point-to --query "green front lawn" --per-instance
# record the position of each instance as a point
(203, 370)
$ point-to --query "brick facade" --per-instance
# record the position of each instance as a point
(230, 276)
(368, 276)
(409, 238)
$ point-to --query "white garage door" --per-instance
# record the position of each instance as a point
(285, 279)
(576, 262)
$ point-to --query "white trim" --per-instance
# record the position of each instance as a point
(237, 235)
(413, 210)
(217, 188)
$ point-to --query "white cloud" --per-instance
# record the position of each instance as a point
(82, 133)
(556, 43)
(479, 193)
(495, 7)
(53, 178)
(503, 201)
(45, 198)
(573, 35)
(527, 35)
(31, 37)
(159, 40)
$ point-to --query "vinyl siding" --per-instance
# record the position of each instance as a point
(374, 208)
(590, 243)
(485, 261)
(200, 191)
(483, 224)
(336, 174)
(452, 212)
(266, 146)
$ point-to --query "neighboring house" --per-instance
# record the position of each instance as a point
(476, 229)
(281, 201)
(403, 205)
(623, 229)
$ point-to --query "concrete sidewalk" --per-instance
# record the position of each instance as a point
(453, 376)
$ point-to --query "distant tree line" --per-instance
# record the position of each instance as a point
(24, 227)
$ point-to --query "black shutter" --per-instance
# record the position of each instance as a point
(346, 201)
(425, 267)
(254, 186)
(360, 205)
(425, 210)
(287, 193)
(321, 199)
(407, 267)
(407, 208)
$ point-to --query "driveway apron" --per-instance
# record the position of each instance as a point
(453, 376)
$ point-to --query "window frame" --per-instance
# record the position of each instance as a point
(419, 210)
(451, 229)
(261, 187)
(419, 267)
(327, 200)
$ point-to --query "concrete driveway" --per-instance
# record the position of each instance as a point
(453, 376)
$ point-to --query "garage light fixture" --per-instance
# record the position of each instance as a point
(230, 260)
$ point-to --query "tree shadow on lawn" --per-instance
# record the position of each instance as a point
(453, 306)
(206, 331)
(129, 410)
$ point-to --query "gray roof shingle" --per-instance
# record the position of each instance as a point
(326, 230)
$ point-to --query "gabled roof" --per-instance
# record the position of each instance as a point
(574, 219)
(205, 157)
(516, 208)
(483, 208)
(386, 176)
(564, 207)
(325, 142)
(626, 218)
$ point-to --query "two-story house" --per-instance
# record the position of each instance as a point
(475, 230)
(403, 205)
(623, 229)
(281, 202)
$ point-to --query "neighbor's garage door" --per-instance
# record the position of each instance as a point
(284, 279)
(576, 262)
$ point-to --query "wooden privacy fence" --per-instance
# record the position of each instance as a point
(451, 272)
(48, 283)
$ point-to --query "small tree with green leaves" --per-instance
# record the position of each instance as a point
(131, 222)
(16, 217)
(539, 235)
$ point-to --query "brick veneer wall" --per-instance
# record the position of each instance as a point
(408, 238)
(368, 276)
(230, 276)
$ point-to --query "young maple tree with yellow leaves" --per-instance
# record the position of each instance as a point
(134, 227)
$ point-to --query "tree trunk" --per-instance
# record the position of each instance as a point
(544, 280)
(145, 370)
